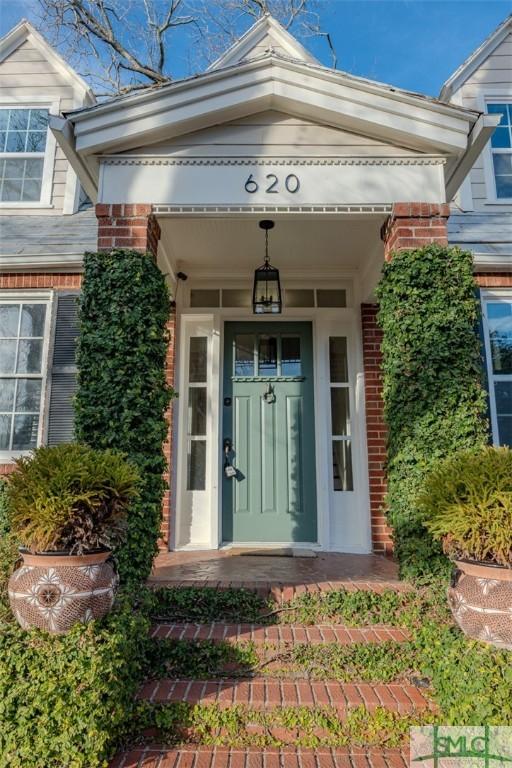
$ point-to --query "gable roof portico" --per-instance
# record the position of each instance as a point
(272, 81)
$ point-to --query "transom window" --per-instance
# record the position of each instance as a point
(22, 332)
(498, 326)
(501, 149)
(23, 138)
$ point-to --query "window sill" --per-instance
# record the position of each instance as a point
(6, 205)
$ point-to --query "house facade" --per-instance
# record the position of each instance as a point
(277, 436)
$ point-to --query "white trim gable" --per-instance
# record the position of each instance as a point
(475, 60)
(267, 32)
(25, 31)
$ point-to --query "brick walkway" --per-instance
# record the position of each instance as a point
(279, 634)
(218, 757)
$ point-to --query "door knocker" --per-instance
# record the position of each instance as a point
(269, 396)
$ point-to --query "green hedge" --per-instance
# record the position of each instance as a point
(122, 394)
(67, 701)
(434, 399)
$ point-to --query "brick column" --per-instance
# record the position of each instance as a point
(410, 225)
(127, 226)
(375, 428)
(413, 225)
(135, 226)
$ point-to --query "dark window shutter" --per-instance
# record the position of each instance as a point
(63, 381)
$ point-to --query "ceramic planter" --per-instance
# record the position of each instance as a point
(54, 590)
(480, 599)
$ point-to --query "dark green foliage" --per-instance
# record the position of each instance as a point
(70, 497)
(65, 701)
(122, 394)
(201, 658)
(206, 604)
(241, 726)
(8, 553)
(434, 400)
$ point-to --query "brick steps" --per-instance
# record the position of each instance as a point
(284, 593)
(278, 634)
(220, 757)
(268, 693)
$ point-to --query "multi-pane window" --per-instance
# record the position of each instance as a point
(341, 429)
(23, 136)
(498, 317)
(22, 332)
(501, 149)
(196, 420)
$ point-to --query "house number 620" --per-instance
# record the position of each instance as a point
(291, 183)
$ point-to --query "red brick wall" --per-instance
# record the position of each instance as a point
(375, 427)
(494, 279)
(413, 225)
(127, 226)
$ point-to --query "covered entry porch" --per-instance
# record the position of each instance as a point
(269, 442)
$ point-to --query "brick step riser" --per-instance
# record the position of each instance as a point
(281, 593)
(284, 634)
(263, 693)
(219, 757)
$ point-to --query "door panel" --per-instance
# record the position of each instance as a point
(268, 414)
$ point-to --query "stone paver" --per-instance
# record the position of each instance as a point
(265, 693)
(219, 757)
(279, 634)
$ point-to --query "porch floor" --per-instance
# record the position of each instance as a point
(265, 573)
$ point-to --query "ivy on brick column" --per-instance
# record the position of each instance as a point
(122, 394)
(434, 399)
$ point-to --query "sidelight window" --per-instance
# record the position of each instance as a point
(341, 430)
(197, 413)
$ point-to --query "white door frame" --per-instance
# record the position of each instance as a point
(198, 513)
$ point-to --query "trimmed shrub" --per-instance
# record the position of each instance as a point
(434, 400)
(122, 393)
(68, 700)
(8, 552)
(70, 497)
(467, 504)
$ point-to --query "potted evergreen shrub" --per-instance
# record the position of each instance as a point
(67, 506)
(466, 503)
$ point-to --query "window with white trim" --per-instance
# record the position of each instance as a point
(23, 330)
(498, 343)
(501, 149)
(23, 142)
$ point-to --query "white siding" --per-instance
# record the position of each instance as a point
(26, 73)
(272, 134)
(493, 75)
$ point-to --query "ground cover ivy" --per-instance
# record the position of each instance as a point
(434, 398)
(66, 700)
(122, 394)
(207, 604)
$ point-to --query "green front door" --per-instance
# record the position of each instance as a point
(269, 479)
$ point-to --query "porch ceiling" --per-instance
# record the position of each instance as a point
(227, 246)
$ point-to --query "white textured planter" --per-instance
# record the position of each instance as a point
(54, 590)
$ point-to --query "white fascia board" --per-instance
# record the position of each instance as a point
(21, 262)
(475, 60)
(25, 31)
(62, 129)
(274, 83)
(267, 25)
(478, 138)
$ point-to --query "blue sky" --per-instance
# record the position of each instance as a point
(413, 44)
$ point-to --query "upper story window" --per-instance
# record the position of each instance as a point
(501, 149)
(23, 139)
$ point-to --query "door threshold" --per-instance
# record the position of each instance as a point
(247, 550)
